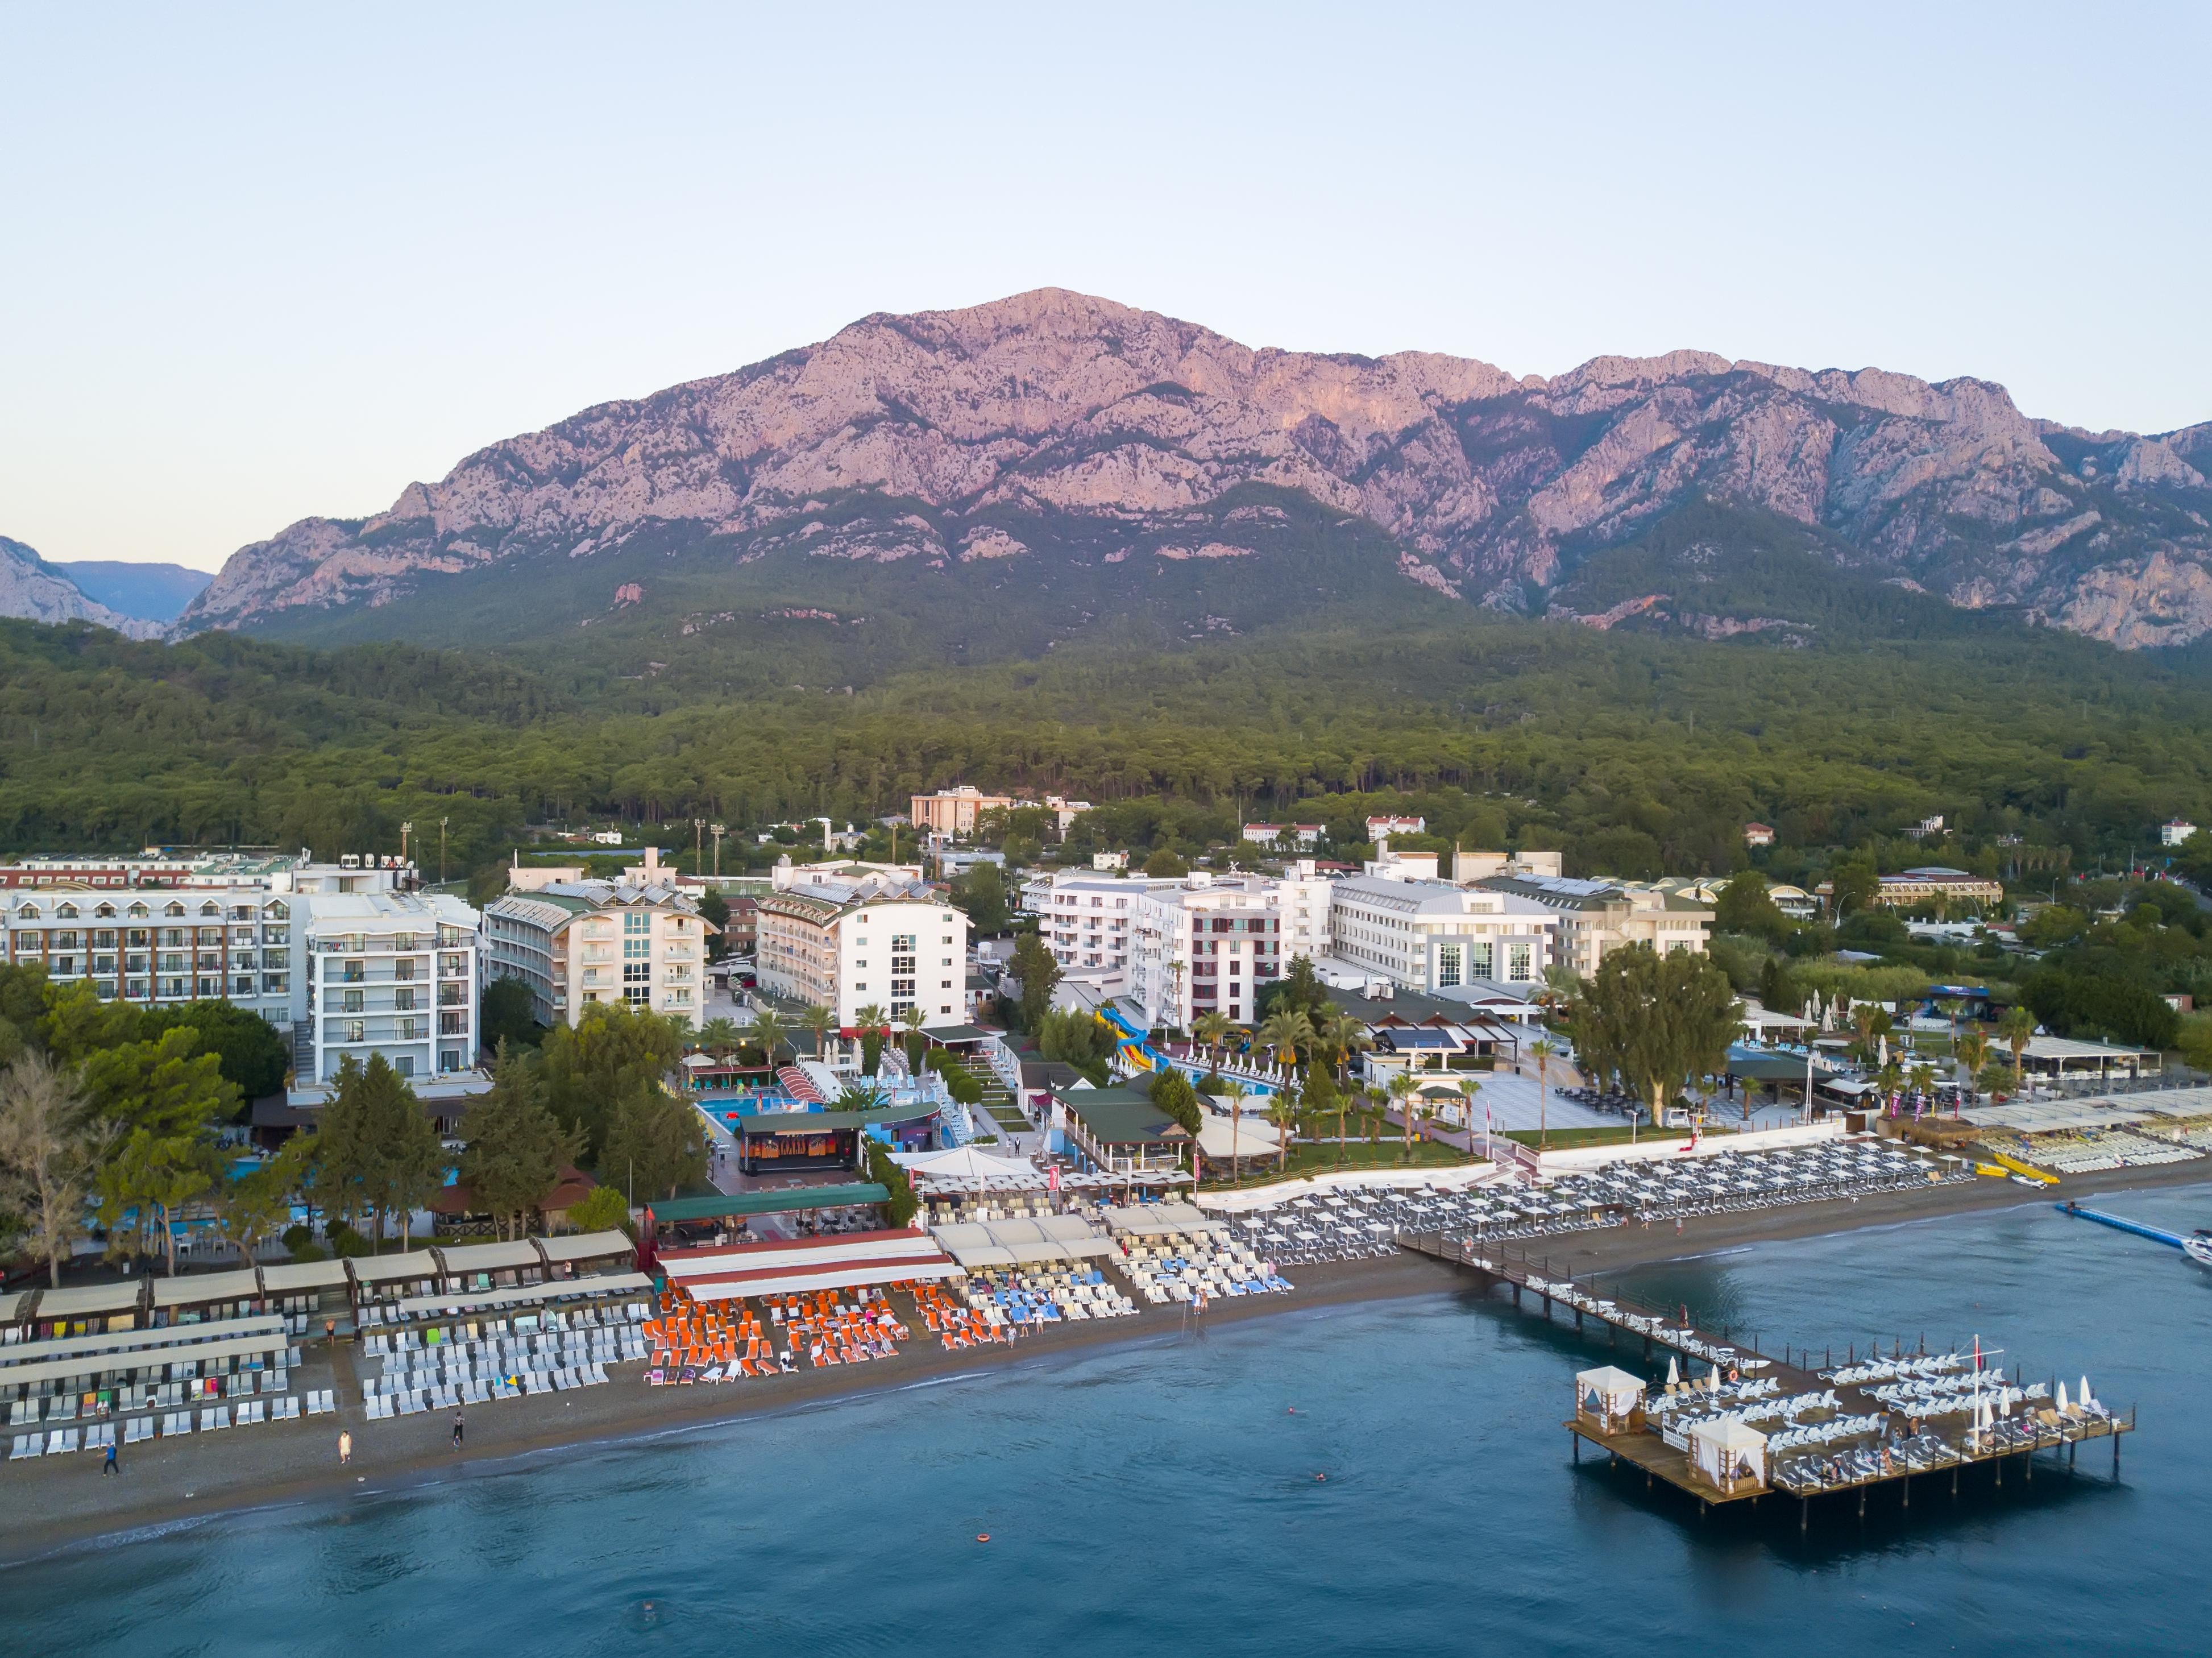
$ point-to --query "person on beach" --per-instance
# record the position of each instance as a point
(457, 1431)
(345, 1449)
(109, 1466)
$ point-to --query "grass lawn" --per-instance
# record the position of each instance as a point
(1320, 1159)
(1566, 1140)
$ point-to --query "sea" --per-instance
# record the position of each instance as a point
(1381, 1478)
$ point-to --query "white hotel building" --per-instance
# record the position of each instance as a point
(393, 974)
(851, 935)
(574, 943)
(1439, 938)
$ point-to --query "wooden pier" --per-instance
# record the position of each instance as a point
(1940, 1442)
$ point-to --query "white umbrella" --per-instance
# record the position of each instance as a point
(2085, 1401)
(2062, 1398)
(1674, 1371)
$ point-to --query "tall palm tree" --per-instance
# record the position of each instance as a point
(1212, 1028)
(770, 1031)
(1543, 1050)
(1865, 1018)
(1286, 1032)
(818, 1021)
(719, 1036)
(1400, 1090)
(1235, 1093)
(1283, 1113)
(913, 1037)
(2018, 1029)
(1468, 1088)
(1972, 1051)
(1921, 1078)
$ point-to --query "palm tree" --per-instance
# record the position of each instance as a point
(1468, 1088)
(1921, 1078)
(1865, 1017)
(1235, 1093)
(719, 1036)
(1283, 1113)
(914, 1038)
(1951, 1007)
(1543, 1050)
(1212, 1028)
(768, 1032)
(1972, 1051)
(2018, 1029)
(818, 1021)
(1400, 1089)
(1286, 1032)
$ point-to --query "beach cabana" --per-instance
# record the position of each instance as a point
(204, 1297)
(1610, 1398)
(1725, 1454)
(315, 1288)
(522, 1297)
(584, 1254)
(391, 1278)
(89, 1307)
(490, 1265)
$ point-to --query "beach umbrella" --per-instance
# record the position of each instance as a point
(2084, 1401)
(2062, 1398)
(1674, 1372)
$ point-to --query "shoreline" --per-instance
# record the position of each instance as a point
(165, 1485)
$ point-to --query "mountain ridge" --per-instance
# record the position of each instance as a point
(934, 436)
(36, 591)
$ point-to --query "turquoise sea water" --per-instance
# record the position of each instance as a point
(1164, 1498)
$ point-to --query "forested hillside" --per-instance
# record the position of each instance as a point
(1636, 752)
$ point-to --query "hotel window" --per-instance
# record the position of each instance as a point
(404, 998)
(1481, 965)
(356, 1030)
(1516, 958)
(1447, 958)
(351, 1002)
(403, 1063)
(407, 1030)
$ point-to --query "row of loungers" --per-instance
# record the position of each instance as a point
(382, 1406)
(99, 1436)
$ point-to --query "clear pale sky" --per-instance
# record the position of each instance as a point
(260, 263)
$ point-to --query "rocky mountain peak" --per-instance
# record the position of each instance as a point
(934, 436)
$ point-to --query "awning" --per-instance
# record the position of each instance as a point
(464, 1258)
(388, 1269)
(177, 1341)
(799, 1281)
(795, 1265)
(585, 1246)
(976, 1244)
(528, 1295)
(90, 1300)
(94, 1364)
(244, 1284)
(296, 1275)
(787, 1201)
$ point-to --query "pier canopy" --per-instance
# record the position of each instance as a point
(1151, 1220)
(1608, 1393)
(1728, 1454)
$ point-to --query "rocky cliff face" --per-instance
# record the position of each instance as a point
(38, 592)
(951, 427)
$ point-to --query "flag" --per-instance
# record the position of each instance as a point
(1051, 1178)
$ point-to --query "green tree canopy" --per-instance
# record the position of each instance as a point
(515, 1148)
(1654, 1021)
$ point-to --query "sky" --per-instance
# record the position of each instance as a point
(261, 264)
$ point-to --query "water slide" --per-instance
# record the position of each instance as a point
(1137, 1048)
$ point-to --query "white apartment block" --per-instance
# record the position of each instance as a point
(879, 939)
(392, 974)
(1439, 938)
(1206, 945)
(575, 943)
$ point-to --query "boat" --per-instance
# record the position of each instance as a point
(2199, 1249)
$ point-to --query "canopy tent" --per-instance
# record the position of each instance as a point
(11, 1306)
(1610, 1393)
(683, 1265)
(965, 1166)
(1728, 1453)
(179, 1341)
(976, 1244)
(202, 1288)
(1151, 1220)
(1221, 1138)
(523, 1295)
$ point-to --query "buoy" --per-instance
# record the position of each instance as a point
(983, 1537)
(1320, 1477)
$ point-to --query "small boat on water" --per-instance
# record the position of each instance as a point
(2199, 1249)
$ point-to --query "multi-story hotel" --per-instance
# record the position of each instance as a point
(392, 974)
(1598, 917)
(166, 928)
(575, 943)
(862, 936)
(1436, 938)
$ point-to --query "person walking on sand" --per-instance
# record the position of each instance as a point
(457, 1431)
(109, 1467)
(345, 1450)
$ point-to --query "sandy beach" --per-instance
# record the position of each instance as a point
(52, 1503)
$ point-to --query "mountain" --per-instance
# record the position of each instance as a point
(40, 592)
(152, 592)
(1063, 442)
